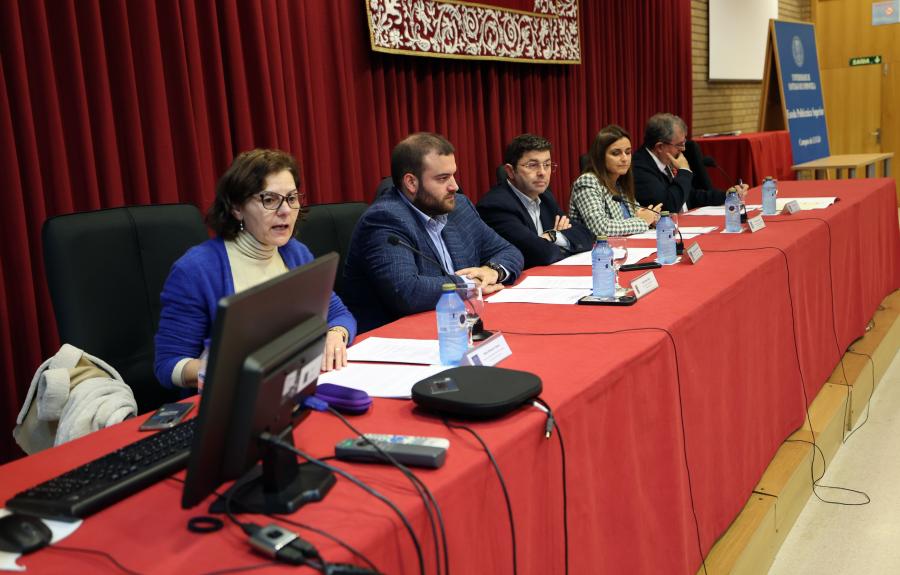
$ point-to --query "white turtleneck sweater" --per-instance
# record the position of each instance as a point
(251, 263)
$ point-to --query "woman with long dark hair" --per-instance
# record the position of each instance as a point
(608, 176)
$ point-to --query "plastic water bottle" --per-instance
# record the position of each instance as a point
(665, 239)
(769, 192)
(732, 212)
(453, 332)
(602, 270)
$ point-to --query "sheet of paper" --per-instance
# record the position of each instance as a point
(552, 296)
(580, 259)
(651, 235)
(555, 282)
(584, 258)
(637, 254)
(381, 379)
(806, 203)
(697, 229)
(718, 210)
(394, 350)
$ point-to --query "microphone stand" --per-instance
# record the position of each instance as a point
(478, 331)
(679, 245)
(710, 162)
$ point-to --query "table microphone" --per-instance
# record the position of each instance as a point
(710, 162)
(478, 331)
(679, 245)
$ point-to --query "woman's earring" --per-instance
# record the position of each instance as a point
(241, 225)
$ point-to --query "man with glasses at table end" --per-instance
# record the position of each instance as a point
(420, 234)
(522, 208)
(254, 215)
(662, 174)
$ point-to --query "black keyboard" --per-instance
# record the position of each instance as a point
(98, 484)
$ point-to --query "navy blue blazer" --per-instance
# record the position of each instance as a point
(651, 186)
(501, 209)
(384, 282)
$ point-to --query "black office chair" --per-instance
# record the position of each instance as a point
(695, 158)
(328, 228)
(384, 185)
(584, 162)
(105, 270)
(501, 174)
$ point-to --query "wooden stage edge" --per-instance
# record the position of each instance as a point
(756, 534)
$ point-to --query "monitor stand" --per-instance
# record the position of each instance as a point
(279, 485)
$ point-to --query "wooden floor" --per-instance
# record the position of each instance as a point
(751, 542)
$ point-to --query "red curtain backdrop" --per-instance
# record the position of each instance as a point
(105, 104)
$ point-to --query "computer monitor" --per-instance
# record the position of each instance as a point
(265, 356)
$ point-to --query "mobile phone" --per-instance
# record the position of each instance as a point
(168, 415)
(643, 266)
(623, 300)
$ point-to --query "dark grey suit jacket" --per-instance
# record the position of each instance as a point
(501, 209)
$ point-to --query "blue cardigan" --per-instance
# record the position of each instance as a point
(196, 283)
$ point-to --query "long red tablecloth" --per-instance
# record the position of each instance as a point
(751, 157)
(670, 409)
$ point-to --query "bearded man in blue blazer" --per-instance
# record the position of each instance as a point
(419, 235)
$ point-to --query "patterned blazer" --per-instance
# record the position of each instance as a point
(592, 204)
(384, 282)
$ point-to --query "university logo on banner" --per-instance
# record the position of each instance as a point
(801, 85)
(538, 31)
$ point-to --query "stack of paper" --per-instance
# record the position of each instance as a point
(687, 232)
(806, 203)
(584, 258)
(718, 210)
(393, 350)
(382, 379)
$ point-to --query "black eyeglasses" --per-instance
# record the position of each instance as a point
(273, 200)
(680, 145)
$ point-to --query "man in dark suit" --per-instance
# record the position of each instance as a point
(383, 278)
(662, 174)
(523, 210)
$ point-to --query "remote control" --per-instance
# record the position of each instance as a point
(410, 440)
(409, 450)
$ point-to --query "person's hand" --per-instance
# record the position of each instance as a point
(741, 190)
(646, 215)
(649, 215)
(335, 356)
(190, 373)
(679, 163)
(561, 223)
(483, 276)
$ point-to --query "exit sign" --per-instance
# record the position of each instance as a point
(865, 60)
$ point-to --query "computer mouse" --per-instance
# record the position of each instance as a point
(23, 533)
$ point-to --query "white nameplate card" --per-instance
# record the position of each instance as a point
(756, 224)
(792, 207)
(694, 252)
(490, 352)
(644, 284)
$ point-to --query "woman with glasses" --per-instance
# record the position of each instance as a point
(254, 216)
(603, 196)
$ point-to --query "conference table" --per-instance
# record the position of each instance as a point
(670, 410)
(751, 157)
